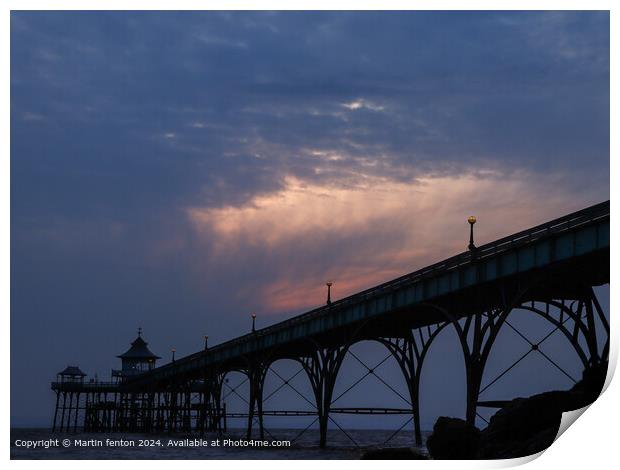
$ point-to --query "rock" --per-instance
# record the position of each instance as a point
(393, 453)
(522, 417)
(526, 426)
(586, 391)
(453, 438)
(522, 425)
(513, 449)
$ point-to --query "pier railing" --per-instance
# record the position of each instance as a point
(85, 386)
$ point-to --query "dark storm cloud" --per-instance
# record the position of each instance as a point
(123, 123)
(176, 109)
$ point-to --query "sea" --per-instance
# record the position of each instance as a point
(349, 444)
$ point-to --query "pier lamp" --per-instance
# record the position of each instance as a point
(472, 220)
(253, 322)
(173, 351)
(329, 292)
(206, 342)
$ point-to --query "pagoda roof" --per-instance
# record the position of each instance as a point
(138, 350)
(72, 370)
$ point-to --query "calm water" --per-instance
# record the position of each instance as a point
(305, 447)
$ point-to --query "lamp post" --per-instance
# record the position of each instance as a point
(472, 220)
(206, 342)
(253, 322)
(329, 292)
(173, 351)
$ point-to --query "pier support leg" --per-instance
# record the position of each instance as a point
(68, 424)
(256, 374)
(477, 334)
(173, 411)
(77, 410)
(225, 418)
(87, 413)
(409, 352)
(322, 368)
(213, 395)
(483, 328)
(62, 414)
(56, 411)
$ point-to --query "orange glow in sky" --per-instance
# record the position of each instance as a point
(387, 228)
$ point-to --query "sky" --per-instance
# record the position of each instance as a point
(179, 171)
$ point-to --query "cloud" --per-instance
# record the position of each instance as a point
(319, 83)
(369, 230)
(320, 125)
(363, 104)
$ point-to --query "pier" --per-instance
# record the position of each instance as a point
(549, 271)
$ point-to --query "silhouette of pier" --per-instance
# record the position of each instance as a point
(548, 271)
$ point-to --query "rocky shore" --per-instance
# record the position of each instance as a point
(524, 426)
